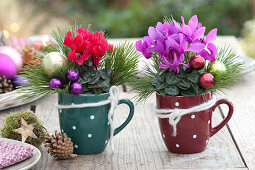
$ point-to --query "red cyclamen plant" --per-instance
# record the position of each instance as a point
(87, 46)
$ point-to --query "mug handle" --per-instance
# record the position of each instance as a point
(131, 114)
(214, 130)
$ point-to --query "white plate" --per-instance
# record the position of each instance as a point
(13, 99)
(28, 163)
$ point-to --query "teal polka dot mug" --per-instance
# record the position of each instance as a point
(89, 127)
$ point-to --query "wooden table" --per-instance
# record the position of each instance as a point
(139, 145)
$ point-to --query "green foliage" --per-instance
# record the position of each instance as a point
(96, 81)
(166, 83)
(186, 83)
(123, 62)
(13, 122)
(141, 85)
(231, 76)
(39, 80)
(116, 68)
(182, 84)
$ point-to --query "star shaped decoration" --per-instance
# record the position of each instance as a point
(25, 130)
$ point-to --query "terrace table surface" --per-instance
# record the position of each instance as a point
(140, 146)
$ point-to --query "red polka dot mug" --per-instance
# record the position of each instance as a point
(193, 129)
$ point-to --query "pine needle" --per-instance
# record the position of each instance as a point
(123, 62)
(231, 76)
(142, 84)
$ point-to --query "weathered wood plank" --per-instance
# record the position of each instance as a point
(242, 125)
(139, 145)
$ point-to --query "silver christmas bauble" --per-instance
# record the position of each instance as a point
(53, 62)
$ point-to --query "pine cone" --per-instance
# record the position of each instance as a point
(5, 85)
(28, 54)
(59, 146)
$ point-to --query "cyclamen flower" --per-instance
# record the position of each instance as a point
(170, 42)
(89, 46)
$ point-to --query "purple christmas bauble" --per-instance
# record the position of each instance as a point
(76, 88)
(55, 83)
(13, 54)
(73, 75)
(20, 81)
(7, 67)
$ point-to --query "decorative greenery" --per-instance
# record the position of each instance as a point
(182, 84)
(231, 76)
(39, 80)
(185, 83)
(96, 81)
(123, 62)
(13, 122)
(116, 67)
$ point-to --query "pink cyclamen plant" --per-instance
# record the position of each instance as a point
(171, 41)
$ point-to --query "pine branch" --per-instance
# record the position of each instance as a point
(123, 62)
(38, 79)
(142, 84)
(231, 76)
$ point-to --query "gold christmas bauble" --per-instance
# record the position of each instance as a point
(53, 62)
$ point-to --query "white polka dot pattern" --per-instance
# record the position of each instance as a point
(177, 104)
(192, 116)
(74, 127)
(177, 145)
(92, 117)
(89, 135)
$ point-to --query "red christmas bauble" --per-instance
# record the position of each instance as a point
(197, 62)
(206, 80)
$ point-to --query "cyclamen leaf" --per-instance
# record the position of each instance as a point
(161, 78)
(172, 90)
(193, 77)
(160, 86)
(189, 92)
(97, 91)
(195, 87)
(162, 92)
(152, 88)
(183, 84)
(154, 81)
(171, 78)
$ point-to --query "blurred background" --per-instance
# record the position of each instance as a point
(127, 18)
